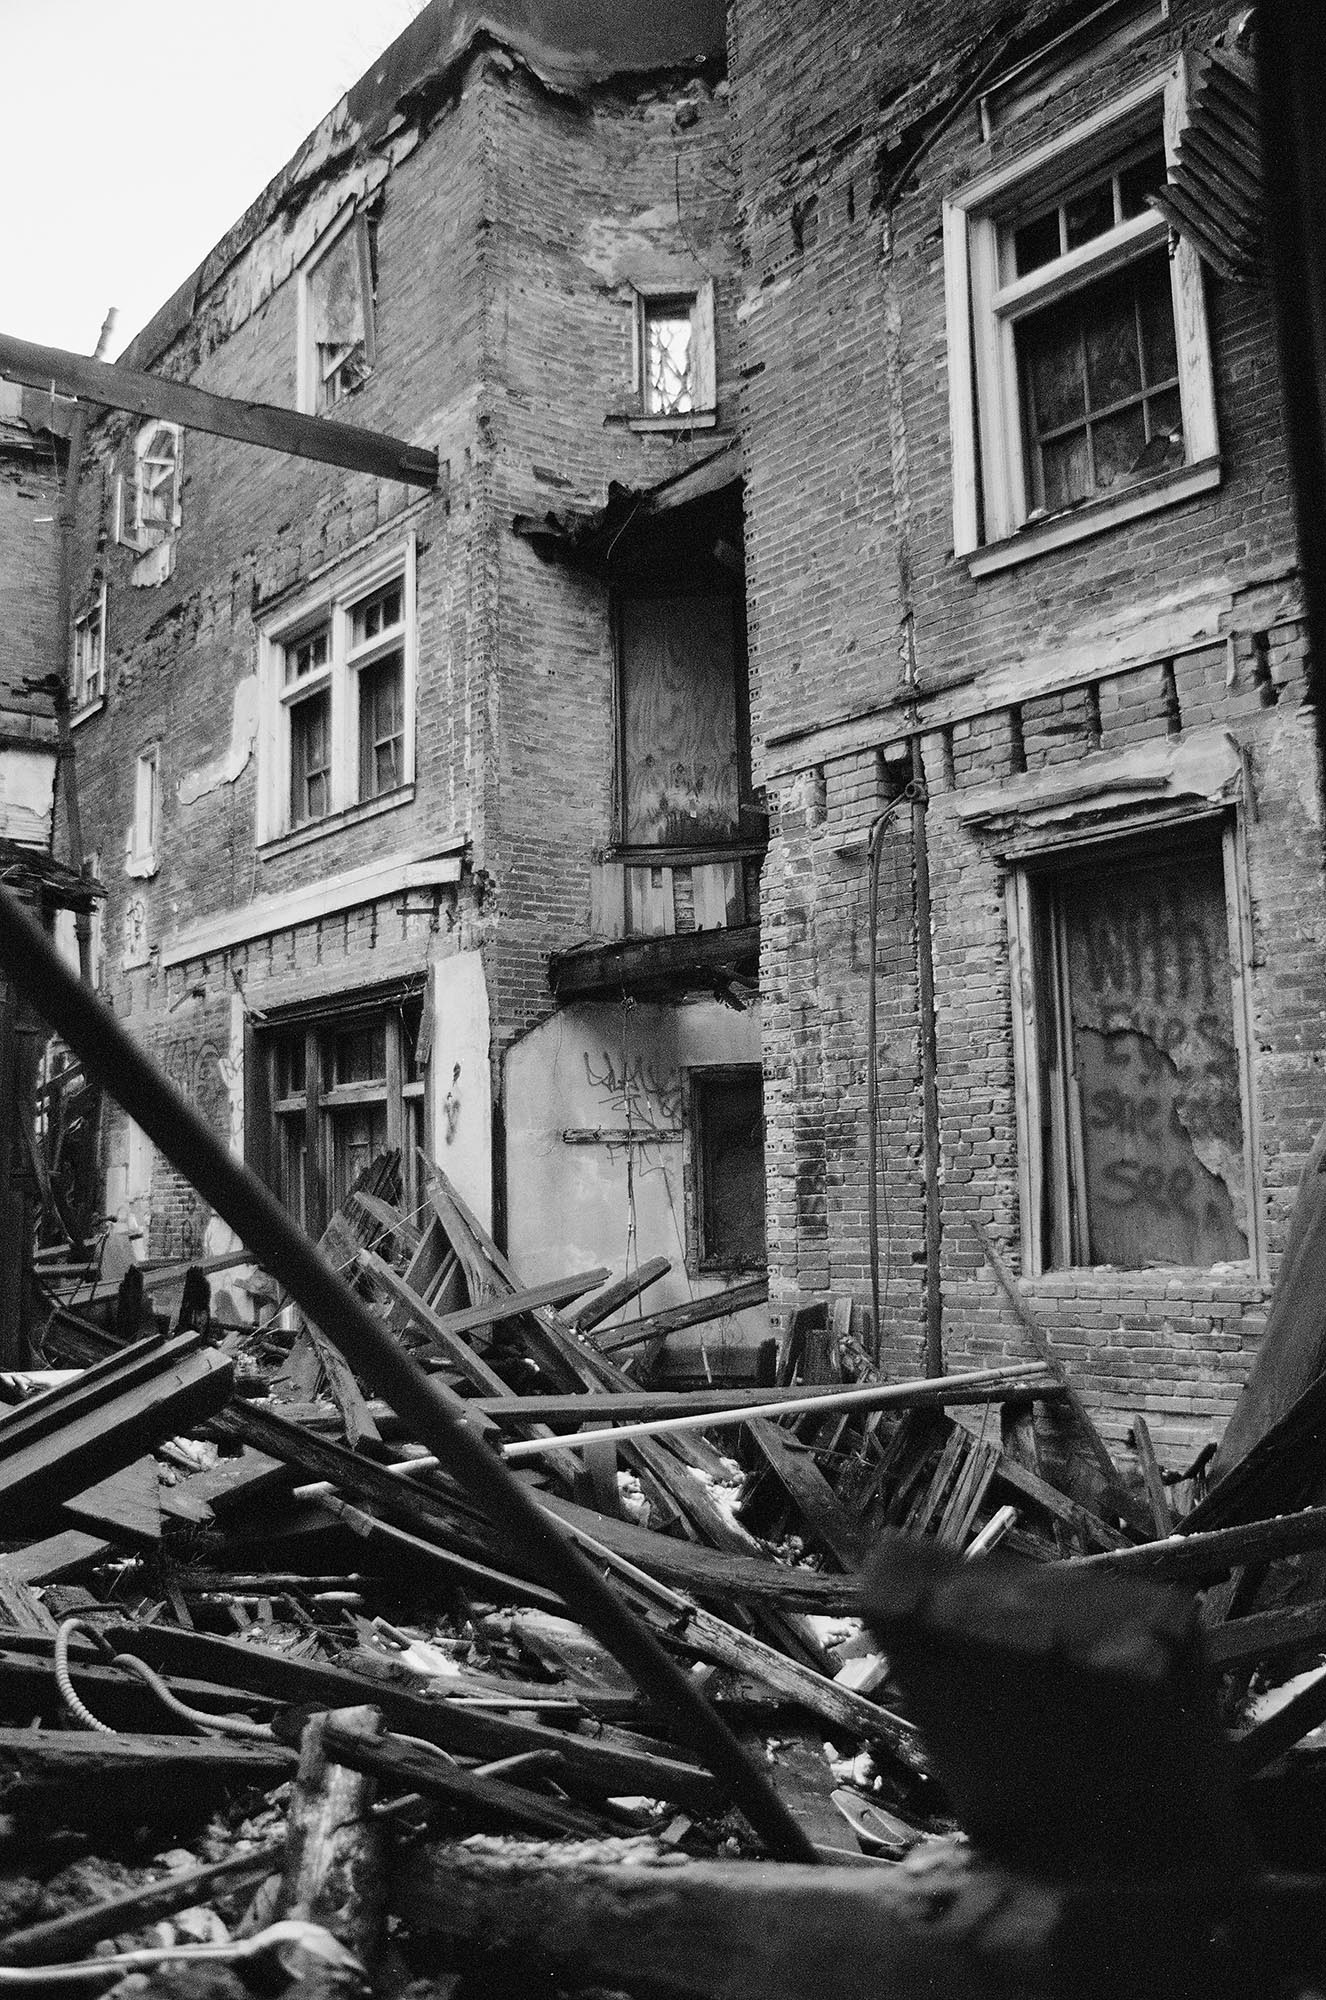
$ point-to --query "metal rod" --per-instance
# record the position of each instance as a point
(433, 1414)
(876, 1396)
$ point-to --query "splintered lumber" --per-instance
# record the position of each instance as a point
(436, 1418)
(335, 1853)
(1283, 1728)
(126, 1505)
(20, 1609)
(610, 1300)
(695, 1312)
(942, 1925)
(116, 388)
(1056, 1504)
(1161, 1512)
(1068, 1716)
(490, 1312)
(57, 1556)
(1194, 1557)
(72, 1936)
(604, 1764)
(1265, 1635)
(77, 1436)
(75, 1778)
(826, 1521)
(1281, 1469)
(404, 1551)
(488, 1804)
(1119, 1496)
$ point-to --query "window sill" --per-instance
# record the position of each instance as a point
(87, 711)
(1234, 1281)
(696, 420)
(1095, 517)
(319, 829)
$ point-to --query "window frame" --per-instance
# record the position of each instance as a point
(704, 407)
(332, 605)
(985, 412)
(1026, 873)
(273, 1118)
(145, 827)
(700, 1078)
(89, 691)
(309, 378)
(132, 529)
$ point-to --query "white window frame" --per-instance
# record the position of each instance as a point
(133, 529)
(88, 665)
(985, 418)
(308, 382)
(145, 828)
(703, 412)
(1019, 893)
(332, 604)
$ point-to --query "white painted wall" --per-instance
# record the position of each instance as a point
(459, 1082)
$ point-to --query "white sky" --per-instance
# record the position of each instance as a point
(135, 132)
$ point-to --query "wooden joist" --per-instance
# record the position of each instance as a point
(288, 431)
(78, 1779)
(488, 1804)
(696, 1312)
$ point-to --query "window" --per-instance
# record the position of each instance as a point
(337, 691)
(141, 857)
(89, 664)
(148, 505)
(682, 759)
(336, 316)
(1131, 1042)
(675, 355)
(340, 1089)
(1080, 377)
(727, 1136)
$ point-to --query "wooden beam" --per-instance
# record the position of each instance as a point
(1193, 1557)
(262, 424)
(641, 1405)
(695, 1312)
(596, 1310)
(1266, 1635)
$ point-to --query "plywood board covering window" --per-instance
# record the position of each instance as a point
(680, 754)
(1133, 1046)
(336, 316)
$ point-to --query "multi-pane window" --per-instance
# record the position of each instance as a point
(336, 317)
(146, 824)
(1079, 365)
(337, 684)
(344, 1088)
(1132, 1057)
(727, 1139)
(148, 503)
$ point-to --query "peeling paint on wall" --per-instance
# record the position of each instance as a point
(231, 764)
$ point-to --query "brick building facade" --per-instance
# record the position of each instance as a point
(359, 760)
(1019, 527)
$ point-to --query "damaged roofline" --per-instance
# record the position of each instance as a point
(566, 44)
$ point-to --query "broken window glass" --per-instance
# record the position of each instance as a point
(1141, 1084)
(339, 299)
(670, 356)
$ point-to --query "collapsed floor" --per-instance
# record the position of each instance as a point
(278, 1695)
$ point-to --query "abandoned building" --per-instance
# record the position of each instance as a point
(925, 361)
(1024, 606)
(363, 760)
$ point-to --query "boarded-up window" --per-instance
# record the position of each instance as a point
(727, 1130)
(680, 752)
(1140, 1097)
(338, 318)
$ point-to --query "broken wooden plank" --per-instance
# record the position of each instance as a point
(1161, 1512)
(116, 388)
(488, 1804)
(1265, 1635)
(1191, 1557)
(633, 1404)
(186, 1384)
(125, 1505)
(695, 1312)
(20, 1609)
(610, 1300)
(55, 1558)
(1058, 1505)
(404, 1552)
(1280, 1731)
(822, 1516)
(75, 1778)
(335, 1854)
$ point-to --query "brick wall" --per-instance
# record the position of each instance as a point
(859, 610)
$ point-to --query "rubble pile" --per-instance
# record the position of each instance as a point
(278, 1695)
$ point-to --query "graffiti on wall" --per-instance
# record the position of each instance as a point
(1157, 1066)
(635, 1093)
(205, 1073)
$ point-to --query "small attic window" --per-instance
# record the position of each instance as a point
(336, 317)
(675, 355)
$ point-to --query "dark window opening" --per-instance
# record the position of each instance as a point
(382, 726)
(343, 1090)
(727, 1129)
(310, 759)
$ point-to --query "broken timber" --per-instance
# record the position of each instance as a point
(263, 424)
